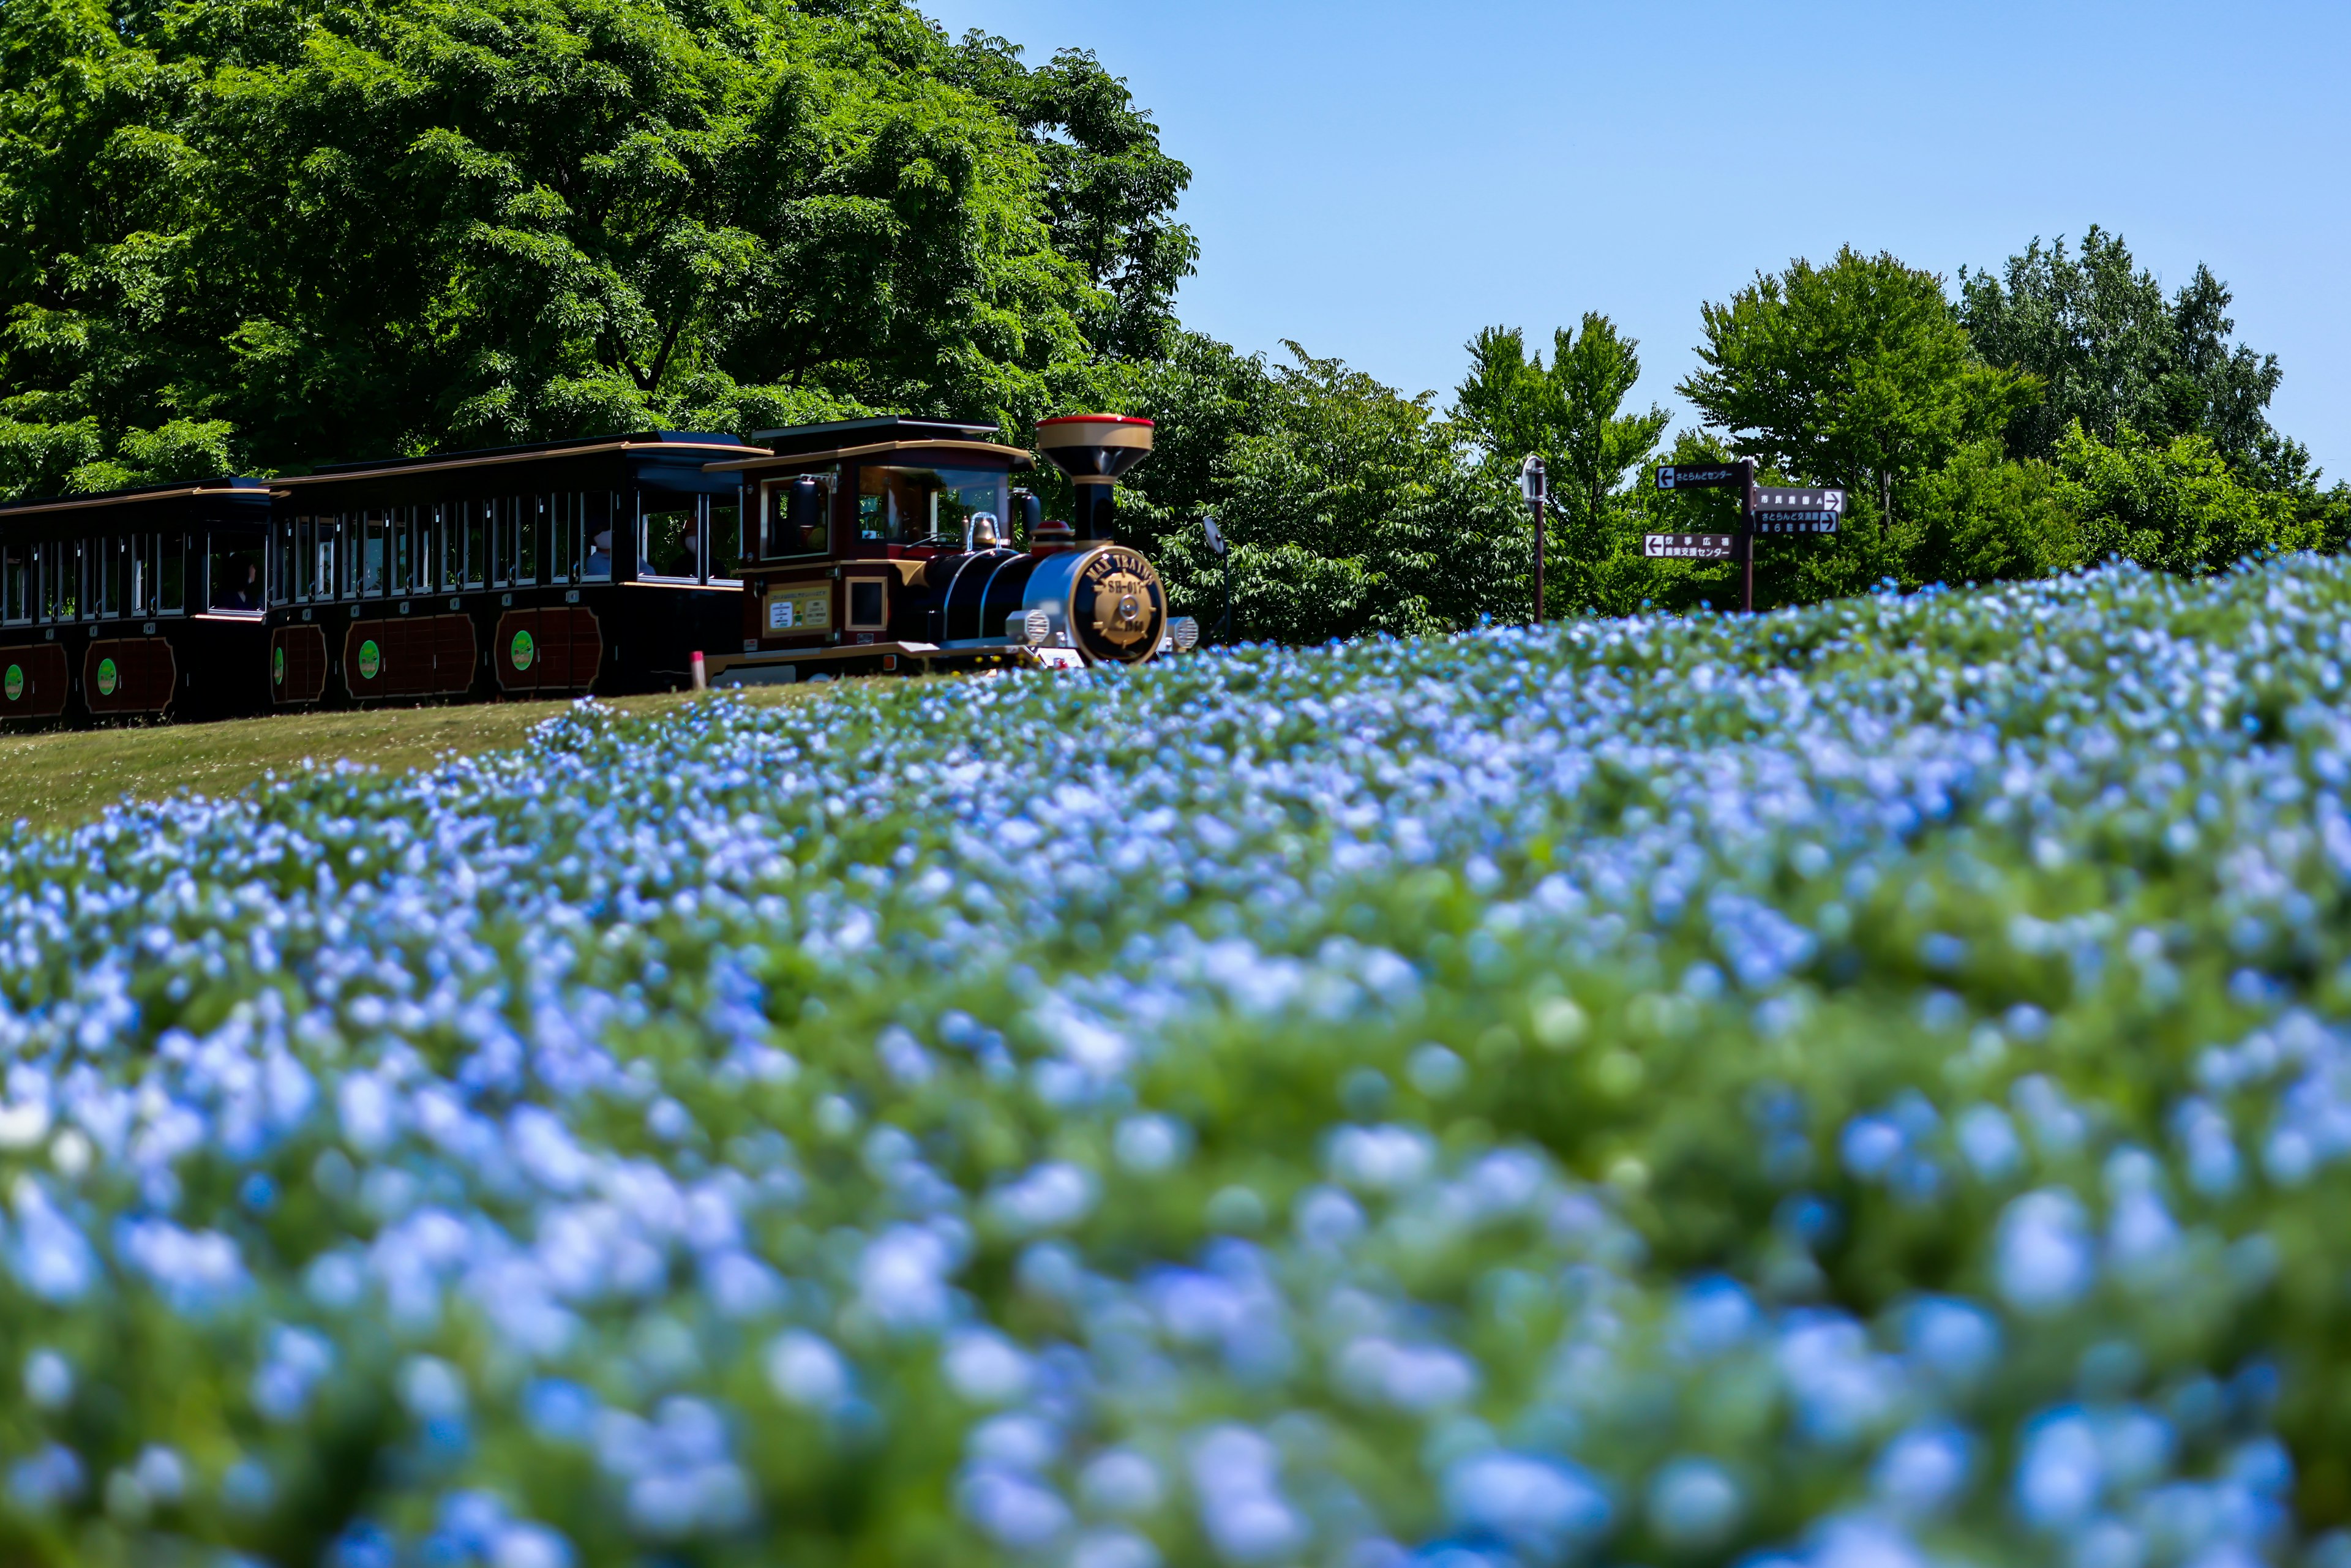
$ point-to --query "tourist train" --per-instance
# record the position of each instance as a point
(607, 565)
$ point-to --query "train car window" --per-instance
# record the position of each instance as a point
(61, 595)
(470, 544)
(15, 585)
(514, 541)
(235, 573)
(501, 530)
(797, 515)
(924, 506)
(403, 550)
(728, 546)
(106, 558)
(571, 520)
(602, 508)
(286, 571)
(666, 545)
(172, 575)
(45, 593)
(140, 584)
(326, 558)
(373, 527)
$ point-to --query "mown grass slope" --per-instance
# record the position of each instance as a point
(59, 778)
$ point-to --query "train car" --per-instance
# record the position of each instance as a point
(550, 569)
(896, 544)
(886, 545)
(134, 603)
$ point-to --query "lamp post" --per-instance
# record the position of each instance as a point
(1216, 543)
(1530, 483)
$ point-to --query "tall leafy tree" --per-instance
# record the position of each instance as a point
(1857, 373)
(400, 225)
(2114, 353)
(2177, 505)
(1110, 191)
(1571, 413)
(1344, 502)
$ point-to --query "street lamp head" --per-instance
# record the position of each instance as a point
(1209, 525)
(1530, 478)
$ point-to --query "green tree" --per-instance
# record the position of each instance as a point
(2175, 505)
(1857, 373)
(1344, 502)
(2113, 351)
(1570, 412)
(394, 225)
(1981, 518)
(1110, 191)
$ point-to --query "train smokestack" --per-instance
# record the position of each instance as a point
(1095, 450)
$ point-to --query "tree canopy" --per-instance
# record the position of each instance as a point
(1857, 373)
(289, 232)
(2113, 354)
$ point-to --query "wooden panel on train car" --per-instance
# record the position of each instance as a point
(583, 640)
(558, 648)
(33, 681)
(298, 665)
(129, 675)
(426, 655)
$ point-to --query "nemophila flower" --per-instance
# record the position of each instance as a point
(2045, 1261)
(1693, 1503)
(1844, 1087)
(1541, 1508)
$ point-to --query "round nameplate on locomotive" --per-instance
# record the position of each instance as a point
(1118, 611)
(16, 682)
(109, 677)
(370, 660)
(278, 665)
(524, 651)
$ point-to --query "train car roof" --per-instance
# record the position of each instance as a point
(945, 452)
(675, 458)
(230, 498)
(795, 439)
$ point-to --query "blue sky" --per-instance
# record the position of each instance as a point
(1378, 181)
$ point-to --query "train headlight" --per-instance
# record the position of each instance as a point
(1184, 633)
(1032, 627)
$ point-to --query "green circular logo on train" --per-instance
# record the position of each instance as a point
(109, 677)
(278, 666)
(524, 651)
(370, 660)
(15, 686)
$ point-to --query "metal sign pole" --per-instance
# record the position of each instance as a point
(1530, 480)
(1224, 554)
(1747, 535)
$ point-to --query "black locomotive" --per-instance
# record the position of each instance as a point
(613, 565)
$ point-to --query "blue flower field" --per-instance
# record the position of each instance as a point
(1863, 1087)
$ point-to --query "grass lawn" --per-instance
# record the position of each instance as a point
(61, 778)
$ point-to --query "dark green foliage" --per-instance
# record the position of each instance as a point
(1110, 192)
(1344, 502)
(2114, 353)
(2174, 505)
(386, 227)
(1858, 373)
(1983, 518)
(1511, 405)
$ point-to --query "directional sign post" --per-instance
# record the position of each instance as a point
(1763, 509)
